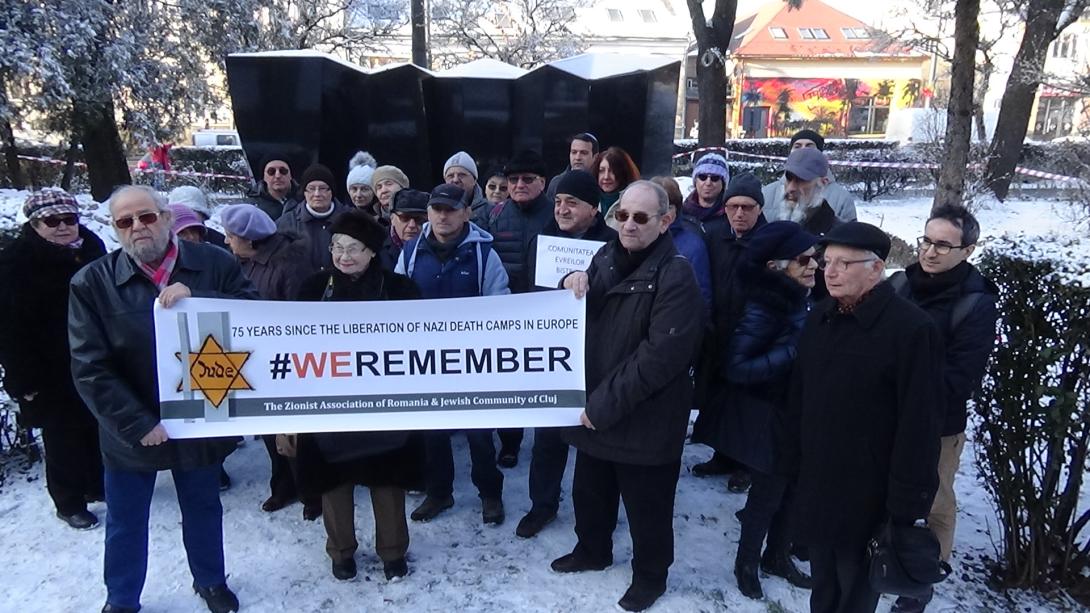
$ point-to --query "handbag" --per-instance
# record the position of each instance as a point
(904, 561)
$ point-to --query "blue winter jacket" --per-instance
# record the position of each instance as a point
(475, 268)
(691, 246)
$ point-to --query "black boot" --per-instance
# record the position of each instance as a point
(640, 597)
(739, 481)
(781, 565)
(719, 464)
(907, 604)
(745, 573)
(219, 598)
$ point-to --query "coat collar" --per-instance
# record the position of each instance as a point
(868, 311)
(188, 259)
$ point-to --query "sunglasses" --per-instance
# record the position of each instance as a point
(146, 218)
(55, 220)
(284, 170)
(804, 260)
(713, 178)
(524, 179)
(639, 217)
(407, 217)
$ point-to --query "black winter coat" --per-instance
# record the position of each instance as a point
(756, 364)
(861, 424)
(642, 335)
(34, 278)
(262, 199)
(112, 337)
(512, 228)
(597, 232)
(329, 459)
(279, 266)
(967, 346)
(315, 229)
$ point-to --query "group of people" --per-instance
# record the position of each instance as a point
(835, 396)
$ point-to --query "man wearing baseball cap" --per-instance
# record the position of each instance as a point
(410, 212)
(840, 200)
(802, 197)
(861, 426)
(453, 258)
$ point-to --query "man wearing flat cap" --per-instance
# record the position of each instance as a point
(802, 199)
(860, 430)
(840, 199)
(410, 212)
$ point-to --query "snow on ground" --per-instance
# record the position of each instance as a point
(277, 561)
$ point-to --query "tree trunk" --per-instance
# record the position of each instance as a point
(959, 112)
(70, 164)
(713, 47)
(986, 71)
(102, 150)
(1021, 89)
(418, 18)
(11, 156)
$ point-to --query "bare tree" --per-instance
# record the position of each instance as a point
(518, 32)
(713, 47)
(959, 112)
(1044, 21)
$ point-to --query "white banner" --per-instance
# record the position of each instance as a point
(556, 257)
(258, 367)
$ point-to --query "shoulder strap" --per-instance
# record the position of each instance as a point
(963, 307)
(899, 281)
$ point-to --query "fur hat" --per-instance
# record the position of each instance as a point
(49, 201)
(463, 160)
(528, 161)
(317, 172)
(247, 221)
(360, 226)
(360, 168)
(389, 172)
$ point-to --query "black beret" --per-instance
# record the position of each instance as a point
(860, 236)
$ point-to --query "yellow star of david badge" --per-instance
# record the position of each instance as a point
(215, 372)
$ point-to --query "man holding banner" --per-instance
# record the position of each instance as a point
(642, 336)
(114, 367)
(577, 225)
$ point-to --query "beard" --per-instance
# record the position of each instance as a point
(800, 210)
(146, 252)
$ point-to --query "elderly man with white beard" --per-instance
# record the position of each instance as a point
(803, 200)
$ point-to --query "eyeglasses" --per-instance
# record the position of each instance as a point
(317, 189)
(639, 217)
(55, 220)
(745, 208)
(925, 243)
(804, 260)
(407, 217)
(524, 179)
(840, 265)
(146, 218)
(351, 251)
(273, 170)
(712, 178)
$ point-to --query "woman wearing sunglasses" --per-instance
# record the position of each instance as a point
(777, 276)
(35, 270)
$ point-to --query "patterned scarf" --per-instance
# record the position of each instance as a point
(161, 276)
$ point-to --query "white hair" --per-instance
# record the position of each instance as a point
(159, 200)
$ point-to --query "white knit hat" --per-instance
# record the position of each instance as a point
(463, 160)
(192, 197)
(360, 168)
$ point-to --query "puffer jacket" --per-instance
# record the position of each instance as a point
(512, 228)
(642, 336)
(112, 340)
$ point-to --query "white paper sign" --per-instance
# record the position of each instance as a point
(556, 257)
(259, 367)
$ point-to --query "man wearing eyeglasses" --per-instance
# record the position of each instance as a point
(644, 325)
(275, 191)
(35, 270)
(410, 213)
(313, 218)
(963, 304)
(581, 151)
(860, 429)
(110, 330)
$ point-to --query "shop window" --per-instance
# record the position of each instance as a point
(868, 116)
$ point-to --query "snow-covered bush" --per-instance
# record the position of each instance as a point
(1033, 413)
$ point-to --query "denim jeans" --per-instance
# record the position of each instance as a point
(439, 467)
(128, 500)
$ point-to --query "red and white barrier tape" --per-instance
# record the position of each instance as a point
(180, 173)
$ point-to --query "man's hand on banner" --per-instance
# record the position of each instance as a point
(173, 293)
(579, 282)
(583, 419)
(158, 434)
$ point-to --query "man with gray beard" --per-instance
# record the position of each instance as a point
(803, 199)
(112, 339)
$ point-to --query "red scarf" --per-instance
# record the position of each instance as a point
(161, 276)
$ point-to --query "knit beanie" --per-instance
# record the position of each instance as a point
(360, 168)
(745, 184)
(185, 217)
(389, 172)
(579, 183)
(317, 172)
(463, 160)
(779, 240)
(49, 201)
(191, 196)
(247, 221)
(712, 164)
(360, 226)
(809, 134)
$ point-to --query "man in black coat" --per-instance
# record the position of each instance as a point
(275, 191)
(575, 215)
(35, 270)
(861, 425)
(962, 303)
(111, 334)
(642, 335)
